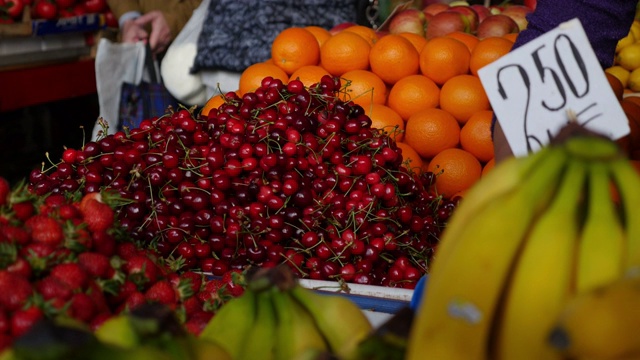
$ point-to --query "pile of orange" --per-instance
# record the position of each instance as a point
(428, 89)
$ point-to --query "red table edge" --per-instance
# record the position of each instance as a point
(29, 86)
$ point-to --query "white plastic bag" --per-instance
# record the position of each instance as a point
(115, 64)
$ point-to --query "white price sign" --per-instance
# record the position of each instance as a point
(533, 88)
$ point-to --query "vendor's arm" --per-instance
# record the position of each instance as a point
(604, 21)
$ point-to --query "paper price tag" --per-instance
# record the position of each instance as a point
(533, 89)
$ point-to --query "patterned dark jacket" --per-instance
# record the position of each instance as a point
(238, 33)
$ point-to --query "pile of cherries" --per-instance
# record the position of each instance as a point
(285, 174)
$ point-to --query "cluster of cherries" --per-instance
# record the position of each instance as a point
(286, 173)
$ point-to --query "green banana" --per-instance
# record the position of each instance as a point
(231, 324)
(118, 331)
(296, 331)
(627, 182)
(260, 340)
(465, 287)
(203, 349)
(601, 323)
(339, 319)
(543, 276)
(602, 242)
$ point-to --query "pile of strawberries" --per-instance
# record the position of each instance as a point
(65, 255)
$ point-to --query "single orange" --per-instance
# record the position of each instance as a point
(487, 51)
(443, 58)
(488, 166)
(475, 135)
(386, 119)
(214, 102)
(469, 40)
(462, 96)
(251, 78)
(321, 34)
(412, 94)
(393, 57)
(367, 33)
(362, 87)
(456, 170)
(345, 51)
(309, 74)
(418, 41)
(293, 48)
(431, 131)
(410, 158)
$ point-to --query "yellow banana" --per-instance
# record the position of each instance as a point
(601, 323)
(259, 342)
(340, 320)
(505, 178)
(457, 313)
(543, 276)
(627, 182)
(602, 245)
(231, 324)
(296, 332)
(203, 349)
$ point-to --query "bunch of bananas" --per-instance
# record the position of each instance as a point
(534, 233)
(276, 318)
(149, 332)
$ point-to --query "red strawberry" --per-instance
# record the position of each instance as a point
(103, 243)
(127, 250)
(98, 297)
(95, 264)
(197, 322)
(98, 215)
(161, 292)
(195, 278)
(133, 301)
(5, 326)
(5, 190)
(233, 282)
(16, 234)
(54, 201)
(23, 210)
(14, 290)
(82, 307)
(192, 305)
(141, 269)
(127, 288)
(211, 291)
(68, 211)
(20, 267)
(23, 320)
(71, 274)
(52, 288)
(45, 230)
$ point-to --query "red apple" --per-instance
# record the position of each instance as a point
(496, 25)
(482, 11)
(409, 20)
(519, 14)
(445, 23)
(435, 8)
(336, 29)
(469, 15)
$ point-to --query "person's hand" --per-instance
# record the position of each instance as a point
(160, 36)
(133, 32)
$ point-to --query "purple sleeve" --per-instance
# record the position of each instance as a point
(604, 21)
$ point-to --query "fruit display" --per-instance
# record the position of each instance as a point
(568, 226)
(63, 255)
(11, 11)
(285, 174)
